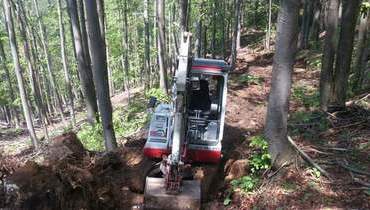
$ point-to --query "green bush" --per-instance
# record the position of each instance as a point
(91, 136)
(245, 183)
(260, 159)
(159, 94)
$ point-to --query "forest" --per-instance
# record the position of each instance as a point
(77, 75)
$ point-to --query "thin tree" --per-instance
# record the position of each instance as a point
(183, 15)
(126, 51)
(13, 110)
(18, 72)
(351, 9)
(67, 77)
(329, 51)
(161, 39)
(362, 51)
(268, 34)
(31, 69)
(278, 104)
(147, 43)
(235, 33)
(100, 74)
(83, 65)
(48, 61)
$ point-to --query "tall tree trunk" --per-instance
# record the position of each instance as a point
(126, 48)
(147, 43)
(268, 35)
(235, 34)
(205, 42)
(100, 74)
(10, 85)
(214, 29)
(48, 61)
(31, 71)
(361, 57)
(350, 13)
(83, 64)
(329, 51)
(67, 77)
(278, 105)
(183, 15)
(198, 41)
(162, 57)
(238, 35)
(315, 28)
(18, 72)
(306, 23)
(101, 15)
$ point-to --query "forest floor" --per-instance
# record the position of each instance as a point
(69, 177)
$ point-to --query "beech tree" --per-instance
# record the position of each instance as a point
(329, 51)
(83, 62)
(100, 74)
(351, 9)
(161, 39)
(18, 72)
(278, 103)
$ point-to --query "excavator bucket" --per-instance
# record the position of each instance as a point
(155, 196)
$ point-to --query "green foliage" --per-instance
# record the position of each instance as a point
(159, 94)
(127, 120)
(250, 79)
(260, 159)
(245, 183)
(91, 136)
(309, 98)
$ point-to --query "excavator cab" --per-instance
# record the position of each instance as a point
(187, 130)
(206, 105)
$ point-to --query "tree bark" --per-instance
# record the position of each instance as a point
(67, 77)
(100, 74)
(350, 13)
(83, 64)
(161, 38)
(268, 35)
(18, 72)
(124, 60)
(278, 104)
(183, 15)
(235, 33)
(147, 43)
(214, 29)
(329, 52)
(361, 57)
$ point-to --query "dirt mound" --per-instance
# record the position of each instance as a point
(72, 178)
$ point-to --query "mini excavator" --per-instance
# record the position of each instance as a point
(188, 130)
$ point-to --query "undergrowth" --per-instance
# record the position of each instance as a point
(308, 97)
(260, 160)
(249, 79)
(126, 121)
